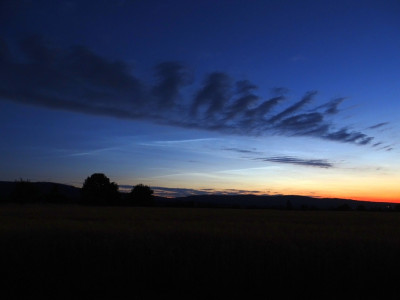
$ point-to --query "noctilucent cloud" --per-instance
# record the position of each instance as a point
(261, 97)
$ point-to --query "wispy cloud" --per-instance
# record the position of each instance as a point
(171, 142)
(183, 143)
(77, 79)
(255, 155)
(242, 151)
(92, 152)
(332, 107)
(388, 148)
(320, 163)
(242, 170)
(182, 192)
(378, 125)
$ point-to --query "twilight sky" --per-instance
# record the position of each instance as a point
(263, 97)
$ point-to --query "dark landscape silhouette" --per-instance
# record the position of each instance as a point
(98, 190)
(60, 241)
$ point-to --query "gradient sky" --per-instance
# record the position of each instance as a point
(263, 97)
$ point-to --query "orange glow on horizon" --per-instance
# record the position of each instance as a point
(370, 197)
(366, 198)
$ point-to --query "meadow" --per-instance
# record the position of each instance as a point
(148, 252)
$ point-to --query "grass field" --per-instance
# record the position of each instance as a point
(147, 253)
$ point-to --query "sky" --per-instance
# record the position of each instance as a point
(198, 97)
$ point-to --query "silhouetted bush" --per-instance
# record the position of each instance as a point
(141, 195)
(98, 190)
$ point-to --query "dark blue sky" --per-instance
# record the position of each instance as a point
(267, 96)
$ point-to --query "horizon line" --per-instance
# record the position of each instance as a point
(179, 192)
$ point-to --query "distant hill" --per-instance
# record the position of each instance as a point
(278, 201)
(64, 192)
(61, 193)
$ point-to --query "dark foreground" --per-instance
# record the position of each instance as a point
(151, 253)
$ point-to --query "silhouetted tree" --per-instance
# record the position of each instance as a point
(97, 189)
(141, 195)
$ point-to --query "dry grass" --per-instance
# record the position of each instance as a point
(64, 251)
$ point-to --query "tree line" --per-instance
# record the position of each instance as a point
(97, 189)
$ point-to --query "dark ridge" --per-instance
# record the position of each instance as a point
(50, 192)
(277, 201)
